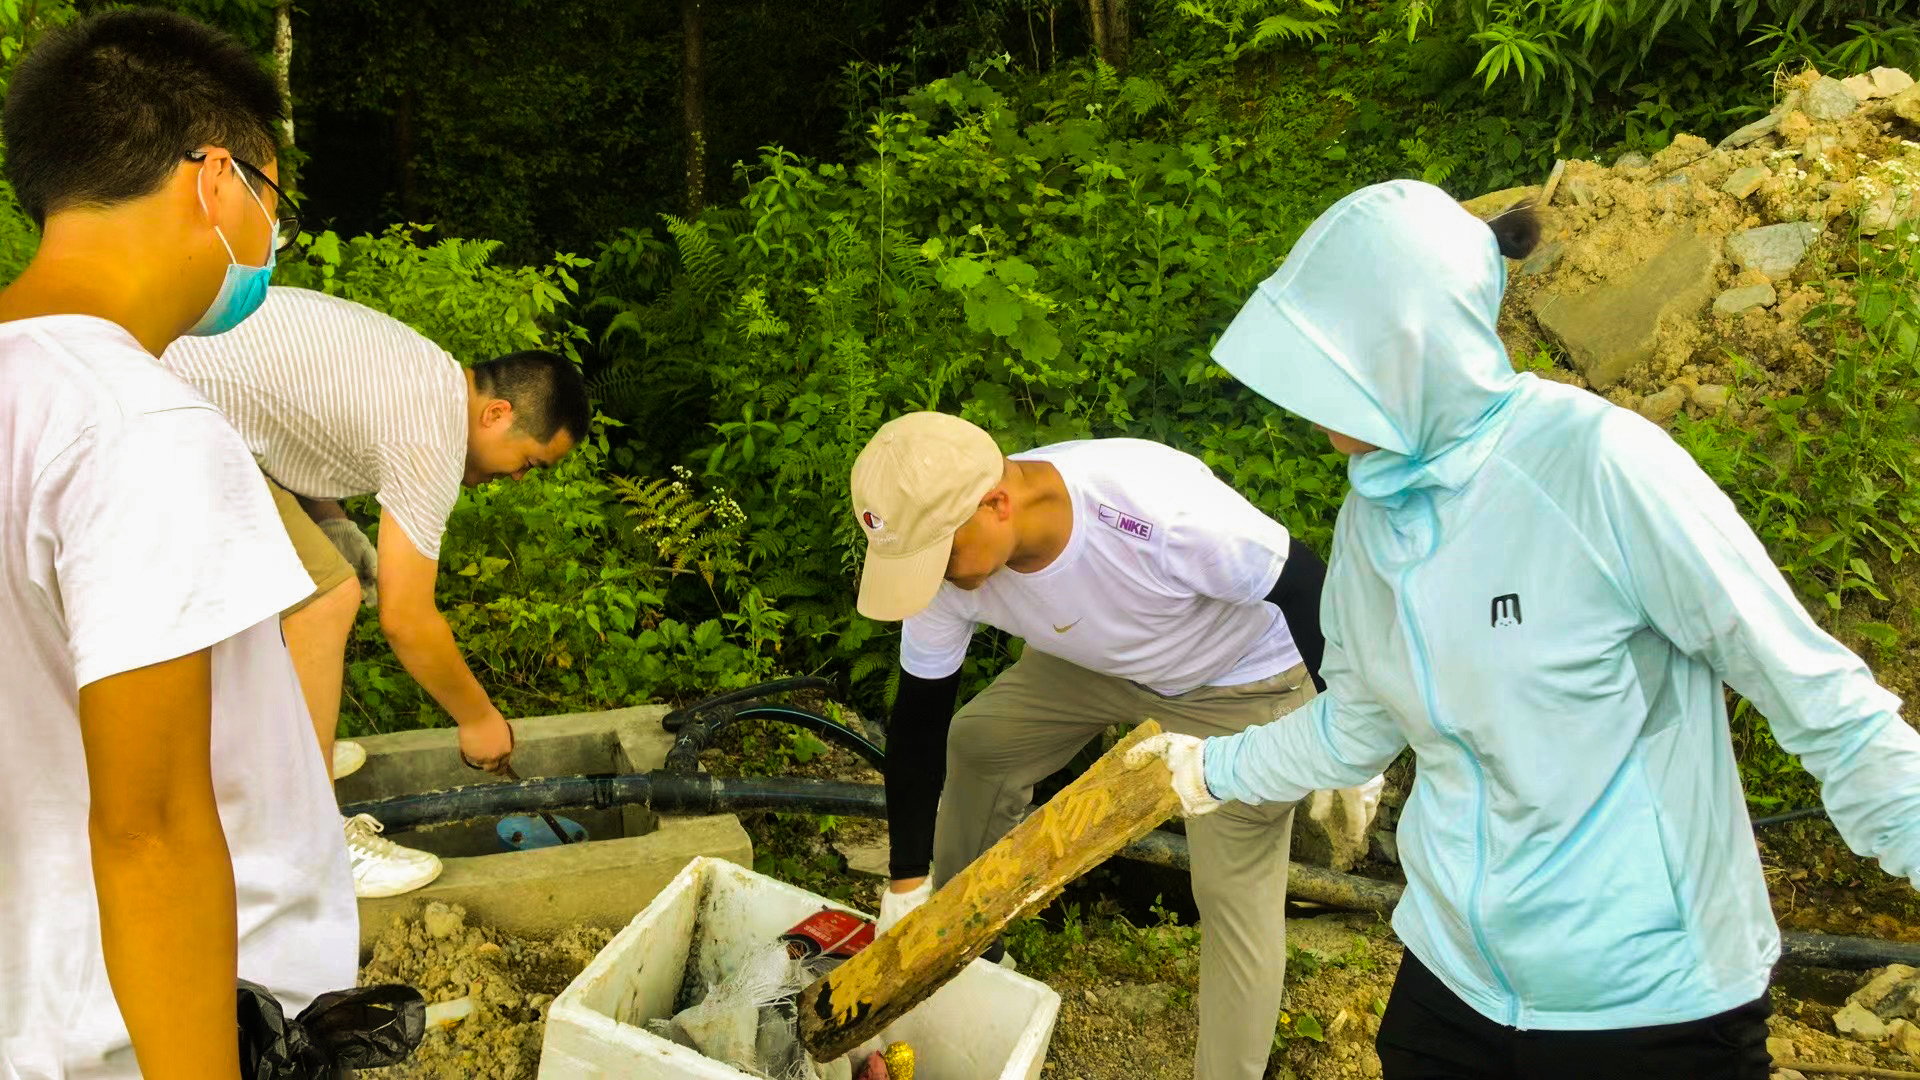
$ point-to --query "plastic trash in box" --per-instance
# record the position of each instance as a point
(988, 1023)
(748, 1019)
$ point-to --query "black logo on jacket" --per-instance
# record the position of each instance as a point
(1506, 610)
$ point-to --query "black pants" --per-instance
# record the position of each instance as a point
(1429, 1034)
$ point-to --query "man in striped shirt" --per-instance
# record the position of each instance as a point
(334, 400)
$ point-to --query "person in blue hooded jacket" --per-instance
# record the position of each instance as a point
(1541, 594)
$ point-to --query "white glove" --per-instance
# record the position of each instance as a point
(895, 905)
(1186, 760)
(360, 554)
(1370, 798)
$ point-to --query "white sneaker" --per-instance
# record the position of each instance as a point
(382, 867)
(347, 758)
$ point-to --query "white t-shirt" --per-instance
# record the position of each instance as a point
(337, 399)
(135, 528)
(1161, 583)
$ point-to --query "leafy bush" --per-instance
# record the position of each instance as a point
(572, 590)
(1036, 267)
(21, 21)
(450, 291)
(1573, 50)
(18, 238)
(578, 587)
(1827, 480)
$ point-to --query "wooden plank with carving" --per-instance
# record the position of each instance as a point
(1104, 810)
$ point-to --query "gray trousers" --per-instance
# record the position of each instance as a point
(1032, 721)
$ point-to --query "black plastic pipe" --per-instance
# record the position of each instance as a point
(684, 758)
(660, 791)
(678, 717)
(1791, 815)
(703, 794)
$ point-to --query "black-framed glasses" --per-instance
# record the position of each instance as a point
(286, 229)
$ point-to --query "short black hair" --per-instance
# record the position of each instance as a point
(1516, 230)
(546, 390)
(103, 111)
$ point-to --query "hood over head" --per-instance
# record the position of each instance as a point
(1380, 325)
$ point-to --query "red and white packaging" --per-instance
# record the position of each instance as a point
(830, 933)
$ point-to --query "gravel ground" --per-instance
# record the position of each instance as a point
(510, 982)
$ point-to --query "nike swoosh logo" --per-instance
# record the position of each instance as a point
(1069, 626)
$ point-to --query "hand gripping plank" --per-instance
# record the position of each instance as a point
(1107, 808)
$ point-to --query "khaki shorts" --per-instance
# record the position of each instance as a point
(323, 562)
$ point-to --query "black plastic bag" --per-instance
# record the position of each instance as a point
(364, 1028)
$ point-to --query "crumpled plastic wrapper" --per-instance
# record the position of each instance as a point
(748, 1020)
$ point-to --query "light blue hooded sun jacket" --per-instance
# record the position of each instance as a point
(1541, 593)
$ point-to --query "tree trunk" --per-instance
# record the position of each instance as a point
(283, 75)
(1111, 33)
(403, 128)
(403, 157)
(693, 98)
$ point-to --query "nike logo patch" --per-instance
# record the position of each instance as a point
(1069, 626)
(1126, 523)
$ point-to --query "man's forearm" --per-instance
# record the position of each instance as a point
(916, 770)
(425, 647)
(162, 876)
(168, 932)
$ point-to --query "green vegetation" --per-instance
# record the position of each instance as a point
(1572, 53)
(1827, 481)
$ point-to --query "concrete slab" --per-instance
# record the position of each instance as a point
(631, 856)
(568, 744)
(604, 883)
(642, 738)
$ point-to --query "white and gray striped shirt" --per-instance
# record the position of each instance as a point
(336, 399)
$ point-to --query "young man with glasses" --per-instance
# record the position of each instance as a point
(168, 829)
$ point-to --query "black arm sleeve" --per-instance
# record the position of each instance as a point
(917, 768)
(1297, 595)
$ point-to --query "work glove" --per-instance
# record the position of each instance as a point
(895, 905)
(360, 554)
(1186, 760)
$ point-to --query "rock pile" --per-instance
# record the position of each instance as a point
(1683, 282)
(1885, 1011)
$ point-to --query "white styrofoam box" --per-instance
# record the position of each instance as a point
(987, 1023)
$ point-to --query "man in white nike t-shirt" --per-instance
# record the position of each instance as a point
(168, 827)
(1142, 587)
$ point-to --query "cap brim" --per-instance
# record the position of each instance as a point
(892, 589)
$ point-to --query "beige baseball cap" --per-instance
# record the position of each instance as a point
(918, 480)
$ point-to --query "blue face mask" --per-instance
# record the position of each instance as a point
(245, 287)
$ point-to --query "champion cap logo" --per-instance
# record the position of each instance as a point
(871, 520)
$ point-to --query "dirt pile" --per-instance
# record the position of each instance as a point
(1684, 281)
(509, 982)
